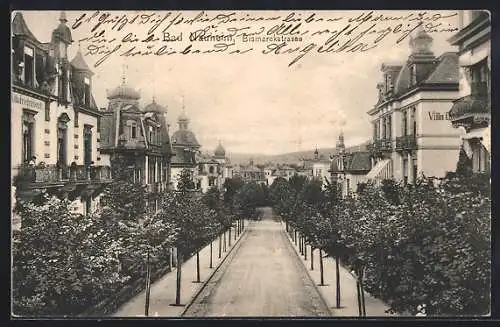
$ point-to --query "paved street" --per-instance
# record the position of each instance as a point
(263, 277)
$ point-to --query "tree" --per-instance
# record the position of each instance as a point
(60, 263)
(231, 186)
(185, 210)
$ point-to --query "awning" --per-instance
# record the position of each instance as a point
(470, 105)
(476, 133)
(377, 169)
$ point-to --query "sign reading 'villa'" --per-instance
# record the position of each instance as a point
(434, 115)
(28, 102)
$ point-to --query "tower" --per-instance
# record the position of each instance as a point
(340, 142)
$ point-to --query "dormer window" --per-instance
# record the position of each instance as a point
(62, 50)
(133, 130)
(29, 66)
(86, 93)
(413, 74)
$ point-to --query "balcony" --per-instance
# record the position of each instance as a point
(131, 143)
(380, 146)
(53, 176)
(473, 110)
(406, 143)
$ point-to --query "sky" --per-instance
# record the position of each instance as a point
(252, 103)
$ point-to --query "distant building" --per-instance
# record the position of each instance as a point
(271, 173)
(213, 169)
(411, 130)
(186, 148)
(349, 169)
(251, 173)
(472, 111)
(320, 168)
(55, 121)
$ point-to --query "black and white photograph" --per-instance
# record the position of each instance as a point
(250, 163)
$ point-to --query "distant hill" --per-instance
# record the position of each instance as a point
(286, 158)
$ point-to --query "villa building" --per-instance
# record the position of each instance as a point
(412, 135)
(471, 113)
(55, 121)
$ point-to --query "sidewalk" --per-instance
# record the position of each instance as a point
(163, 290)
(348, 293)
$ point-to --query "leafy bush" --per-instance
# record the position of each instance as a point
(426, 243)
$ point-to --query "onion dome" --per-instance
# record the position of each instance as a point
(155, 107)
(124, 92)
(220, 151)
(184, 136)
(421, 43)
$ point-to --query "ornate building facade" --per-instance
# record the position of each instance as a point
(185, 148)
(472, 111)
(349, 169)
(136, 142)
(213, 170)
(411, 130)
(55, 122)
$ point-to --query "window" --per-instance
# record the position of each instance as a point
(29, 66)
(413, 74)
(28, 136)
(133, 132)
(414, 120)
(414, 167)
(86, 93)
(88, 205)
(405, 171)
(87, 145)
(389, 128)
(404, 123)
(211, 169)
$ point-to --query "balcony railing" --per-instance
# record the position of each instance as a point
(472, 109)
(52, 174)
(380, 145)
(406, 142)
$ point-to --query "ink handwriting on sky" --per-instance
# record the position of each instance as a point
(293, 35)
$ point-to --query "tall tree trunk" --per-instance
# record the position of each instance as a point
(337, 277)
(360, 311)
(211, 251)
(198, 278)
(179, 268)
(235, 232)
(225, 241)
(305, 250)
(312, 258)
(148, 285)
(321, 267)
(229, 237)
(220, 246)
(361, 288)
(286, 226)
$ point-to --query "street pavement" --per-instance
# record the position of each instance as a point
(262, 277)
(163, 290)
(348, 289)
